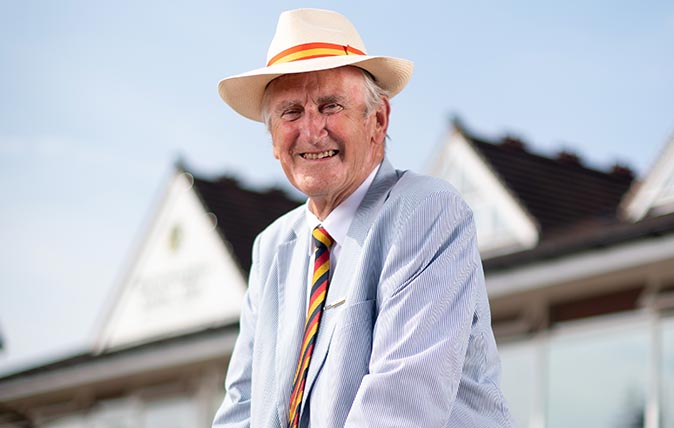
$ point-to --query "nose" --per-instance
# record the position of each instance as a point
(313, 126)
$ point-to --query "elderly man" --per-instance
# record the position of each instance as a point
(366, 307)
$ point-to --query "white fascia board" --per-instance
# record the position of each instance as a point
(580, 266)
(517, 217)
(128, 363)
(640, 201)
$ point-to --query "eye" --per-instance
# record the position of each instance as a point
(331, 108)
(291, 114)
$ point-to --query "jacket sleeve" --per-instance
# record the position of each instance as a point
(426, 300)
(234, 412)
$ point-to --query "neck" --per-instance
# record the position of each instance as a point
(322, 207)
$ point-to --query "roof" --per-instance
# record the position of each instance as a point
(88, 355)
(577, 208)
(561, 194)
(241, 213)
(97, 373)
(611, 234)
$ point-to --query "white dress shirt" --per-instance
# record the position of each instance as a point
(337, 224)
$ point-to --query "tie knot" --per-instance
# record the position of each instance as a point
(322, 238)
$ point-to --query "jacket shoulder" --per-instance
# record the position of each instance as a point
(283, 228)
(415, 188)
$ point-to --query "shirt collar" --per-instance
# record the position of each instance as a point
(337, 223)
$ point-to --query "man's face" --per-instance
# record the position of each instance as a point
(321, 134)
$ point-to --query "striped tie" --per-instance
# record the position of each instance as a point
(319, 289)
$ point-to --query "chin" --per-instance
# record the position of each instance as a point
(316, 187)
(312, 192)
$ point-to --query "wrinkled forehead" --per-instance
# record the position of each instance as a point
(334, 81)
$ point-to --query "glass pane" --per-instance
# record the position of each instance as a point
(518, 378)
(176, 412)
(216, 402)
(118, 413)
(598, 378)
(72, 421)
(667, 374)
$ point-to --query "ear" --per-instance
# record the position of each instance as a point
(381, 120)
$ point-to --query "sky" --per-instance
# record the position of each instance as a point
(100, 99)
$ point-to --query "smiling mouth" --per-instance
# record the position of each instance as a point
(320, 155)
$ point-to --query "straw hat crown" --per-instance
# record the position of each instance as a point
(311, 40)
(307, 26)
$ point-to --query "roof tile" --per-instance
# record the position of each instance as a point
(241, 213)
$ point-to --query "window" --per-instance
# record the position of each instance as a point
(598, 378)
(176, 412)
(117, 413)
(518, 379)
(667, 374)
(70, 421)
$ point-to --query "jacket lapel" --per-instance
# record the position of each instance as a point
(349, 258)
(293, 262)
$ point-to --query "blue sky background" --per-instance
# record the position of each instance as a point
(100, 98)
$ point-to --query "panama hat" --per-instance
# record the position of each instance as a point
(311, 40)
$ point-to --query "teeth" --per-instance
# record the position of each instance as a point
(321, 155)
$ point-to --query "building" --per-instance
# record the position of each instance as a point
(161, 355)
(579, 266)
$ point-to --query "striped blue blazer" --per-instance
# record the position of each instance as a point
(412, 344)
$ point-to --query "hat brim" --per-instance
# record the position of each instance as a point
(244, 92)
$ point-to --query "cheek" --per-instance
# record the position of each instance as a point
(279, 145)
(282, 138)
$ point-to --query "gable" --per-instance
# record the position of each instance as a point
(183, 277)
(503, 226)
(655, 194)
(242, 213)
